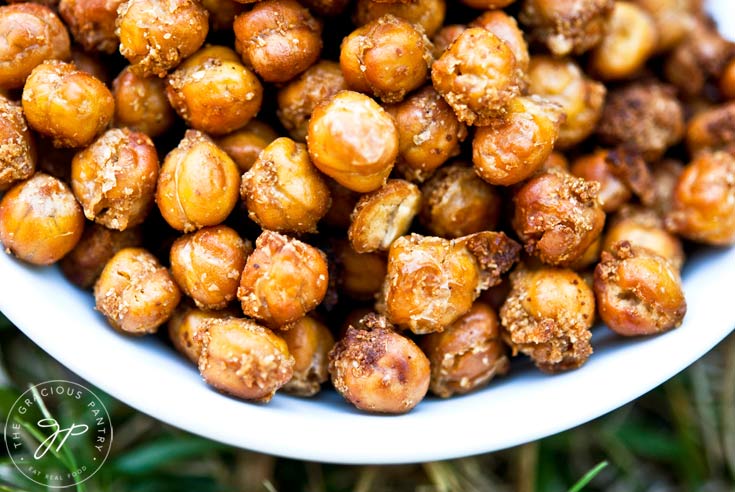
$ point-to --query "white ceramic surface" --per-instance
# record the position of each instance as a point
(522, 407)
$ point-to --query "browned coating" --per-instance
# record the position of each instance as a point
(17, 149)
(92, 23)
(141, 103)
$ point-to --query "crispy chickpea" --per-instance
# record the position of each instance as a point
(187, 326)
(556, 160)
(279, 39)
(243, 359)
(32, 34)
(478, 76)
(245, 145)
(712, 129)
(614, 192)
(638, 292)
(456, 202)
(674, 20)
(704, 200)
(115, 178)
(353, 140)
(359, 275)
(84, 264)
(506, 28)
(428, 14)
(547, 316)
(135, 293)
(446, 37)
(487, 4)
(297, 100)
(68, 105)
(558, 216)
(222, 13)
(141, 103)
(283, 191)
(387, 58)
(40, 221)
(156, 35)
(429, 133)
(309, 342)
(468, 354)
(92, 23)
(329, 8)
(17, 148)
(283, 279)
(512, 148)
(664, 176)
(378, 370)
(198, 185)
(343, 203)
(727, 81)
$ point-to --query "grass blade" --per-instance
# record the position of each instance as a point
(588, 477)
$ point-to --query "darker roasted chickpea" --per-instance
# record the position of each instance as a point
(547, 316)
(478, 76)
(283, 191)
(558, 216)
(92, 23)
(429, 133)
(428, 14)
(279, 39)
(309, 342)
(90, 62)
(664, 176)
(283, 279)
(222, 13)
(40, 221)
(674, 20)
(297, 100)
(556, 160)
(243, 359)
(468, 354)
(359, 275)
(446, 37)
(727, 81)
(327, 8)
(135, 293)
(387, 58)
(378, 370)
(245, 145)
(70, 106)
(512, 148)
(638, 292)
(506, 28)
(141, 103)
(187, 326)
(115, 178)
(594, 167)
(343, 203)
(198, 185)
(456, 202)
(32, 34)
(712, 129)
(17, 149)
(353, 140)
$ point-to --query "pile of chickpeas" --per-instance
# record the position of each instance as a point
(394, 195)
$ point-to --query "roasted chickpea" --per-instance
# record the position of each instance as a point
(638, 292)
(283, 279)
(17, 148)
(378, 370)
(512, 148)
(712, 129)
(70, 106)
(92, 23)
(674, 20)
(428, 14)
(309, 342)
(468, 354)
(445, 37)
(90, 62)
(141, 103)
(187, 326)
(135, 293)
(664, 176)
(343, 203)
(487, 4)
(279, 39)
(614, 193)
(40, 221)
(198, 185)
(32, 34)
(283, 191)
(359, 275)
(222, 13)
(243, 359)
(547, 316)
(556, 160)
(353, 140)
(328, 8)
(456, 202)
(245, 145)
(727, 81)
(506, 28)
(156, 35)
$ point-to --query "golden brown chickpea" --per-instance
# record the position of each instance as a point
(359, 275)
(456, 202)
(32, 34)
(547, 316)
(727, 81)
(283, 279)
(195, 90)
(387, 58)
(378, 370)
(243, 359)
(556, 160)
(712, 129)
(512, 148)
(674, 20)
(187, 326)
(487, 4)
(428, 14)
(135, 293)
(92, 23)
(353, 140)
(115, 178)
(664, 176)
(141, 103)
(581, 98)
(17, 148)
(207, 265)
(614, 192)
(327, 8)
(283, 191)
(446, 37)
(478, 76)
(309, 342)
(40, 221)
(245, 145)
(343, 203)
(506, 28)
(638, 292)
(429, 133)
(558, 216)
(199, 184)
(383, 216)
(468, 354)
(704, 200)
(222, 13)
(68, 105)
(84, 264)
(297, 100)
(279, 39)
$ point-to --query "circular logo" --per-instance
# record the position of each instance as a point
(58, 433)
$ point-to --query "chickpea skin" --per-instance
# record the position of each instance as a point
(245, 145)
(614, 192)
(17, 148)
(359, 275)
(712, 129)
(446, 37)
(92, 23)
(309, 342)
(428, 14)
(506, 28)
(141, 103)
(187, 326)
